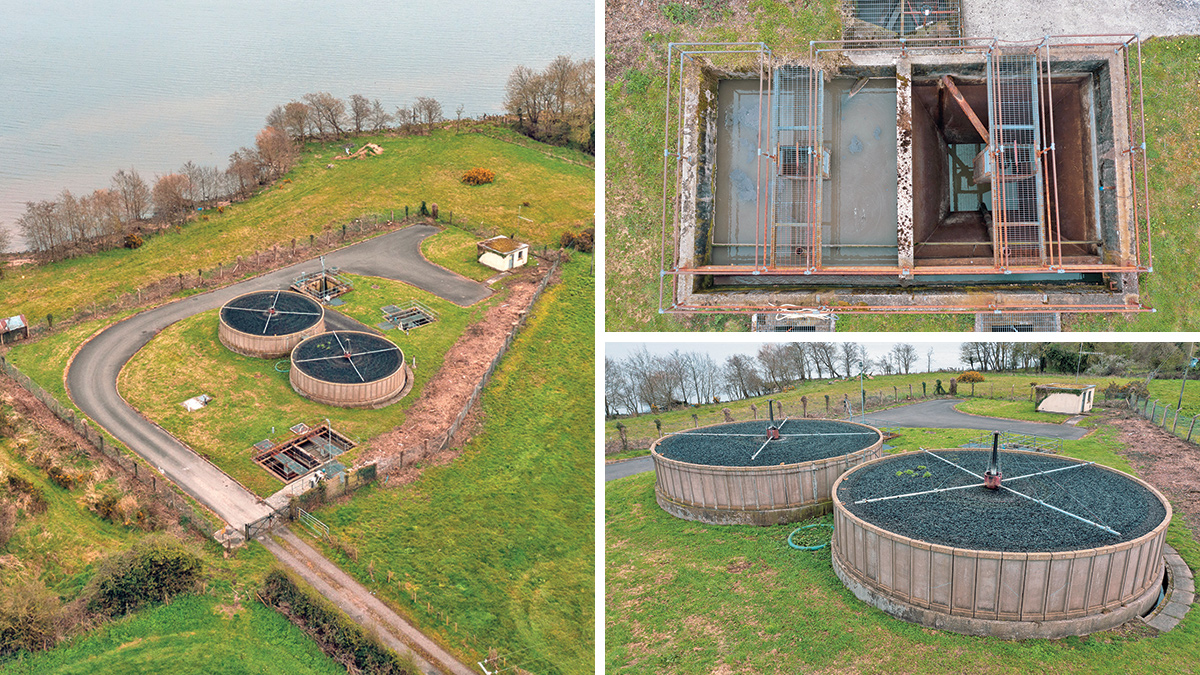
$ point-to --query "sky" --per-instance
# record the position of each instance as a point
(945, 354)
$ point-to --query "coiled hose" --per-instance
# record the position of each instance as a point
(809, 527)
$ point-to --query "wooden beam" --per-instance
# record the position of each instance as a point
(962, 103)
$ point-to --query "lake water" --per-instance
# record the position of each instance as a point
(88, 88)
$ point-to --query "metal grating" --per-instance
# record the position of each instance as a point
(799, 165)
(1000, 322)
(793, 322)
(876, 19)
(1014, 142)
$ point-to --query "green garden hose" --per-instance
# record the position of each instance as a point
(807, 527)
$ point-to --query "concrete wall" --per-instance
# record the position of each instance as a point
(923, 581)
(1068, 403)
(349, 395)
(753, 495)
(504, 262)
(266, 346)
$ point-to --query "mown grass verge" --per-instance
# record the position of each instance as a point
(312, 198)
(686, 597)
(500, 541)
(252, 397)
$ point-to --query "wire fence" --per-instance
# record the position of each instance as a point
(280, 254)
(1168, 418)
(827, 406)
(413, 454)
(165, 491)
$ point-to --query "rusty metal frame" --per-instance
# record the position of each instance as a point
(1139, 260)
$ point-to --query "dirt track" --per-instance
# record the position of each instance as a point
(1166, 462)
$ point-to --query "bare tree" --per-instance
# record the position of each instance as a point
(170, 198)
(741, 376)
(379, 117)
(360, 112)
(523, 94)
(929, 360)
(905, 356)
(134, 193)
(849, 357)
(276, 152)
(458, 113)
(428, 111)
(328, 112)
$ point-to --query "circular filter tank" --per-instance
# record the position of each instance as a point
(269, 324)
(348, 369)
(1061, 546)
(758, 473)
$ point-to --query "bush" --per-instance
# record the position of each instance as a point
(8, 521)
(970, 377)
(61, 477)
(154, 569)
(29, 617)
(479, 176)
(583, 242)
(37, 500)
(133, 241)
(338, 636)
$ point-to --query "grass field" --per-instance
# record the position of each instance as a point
(996, 385)
(634, 96)
(251, 396)
(1011, 410)
(193, 635)
(502, 538)
(60, 546)
(685, 597)
(311, 198)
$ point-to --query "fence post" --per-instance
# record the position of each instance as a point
(1190, 428)
(1175, 422)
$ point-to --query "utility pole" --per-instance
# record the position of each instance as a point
(1186, 367)
(862, 394)
(1079, 361)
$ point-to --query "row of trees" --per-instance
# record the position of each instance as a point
(1101, 359)
(71, 224)
(556, 105)
(324, 116)
(646, 381)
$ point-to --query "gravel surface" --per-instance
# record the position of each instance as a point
(250, 313)
(734, 444)
(372, 357)
(982, 519)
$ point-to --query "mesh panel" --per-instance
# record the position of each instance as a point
(875, 19)
(1014, 141)
(325, 357)
(1042, 322)
(271, 313)
(799, 165)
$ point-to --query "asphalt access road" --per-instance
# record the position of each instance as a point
(628, 467)
(92, 377)
(938, 414)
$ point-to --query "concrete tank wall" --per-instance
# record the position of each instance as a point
(265, 346)
(999, 593)
(752, 495)
(354, 395)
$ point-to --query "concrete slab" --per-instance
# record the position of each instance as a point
(1032, 19)
(1174, 609)
(1163, 623)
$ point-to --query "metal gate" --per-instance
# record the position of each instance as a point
(800, 162)
(1014, 146)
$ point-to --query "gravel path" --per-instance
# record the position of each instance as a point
(736, 444)
(978, 518)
